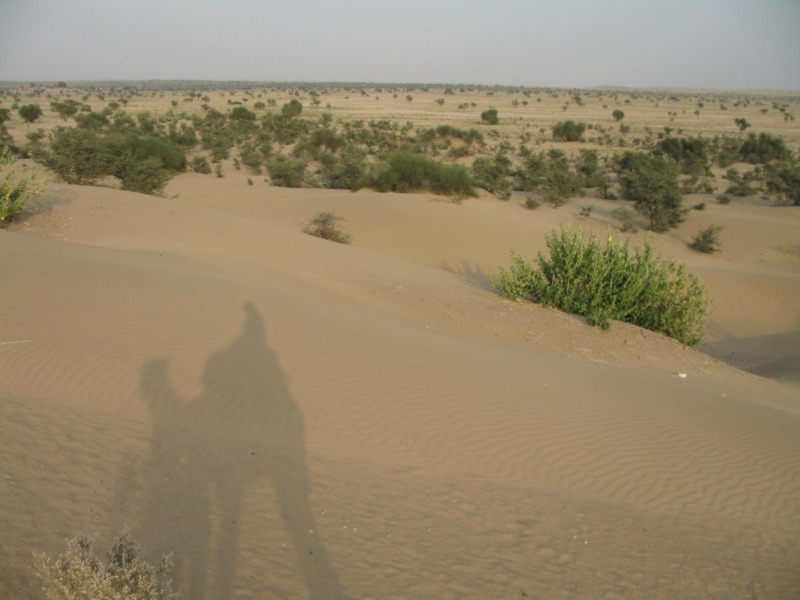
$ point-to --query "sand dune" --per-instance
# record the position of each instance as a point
(300, 419)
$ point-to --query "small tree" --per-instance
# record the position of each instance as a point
(30, 112)
(742, 124)
(618, 115)
(490, 116)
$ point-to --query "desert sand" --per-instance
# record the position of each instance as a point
(295, 418)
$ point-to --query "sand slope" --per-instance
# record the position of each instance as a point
(300, 419)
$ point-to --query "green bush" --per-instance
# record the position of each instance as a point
(287, 172)
(532, 173)
(707, 240)
(199, 164)
(742, 185)
(691, 154)
(91, 120)
(172, 156)
(490, 116)
(79, 156)
(323, 225)
(532, 203)
(724, 199)
(79, 575)
(240, 113)
(568, 131)
(30, 112)
(68, 108)
(588, 165)
(763, 149)
(609, 282)
(144, 176)
(15, 195)
(783, 180)
(492, 174)
(344, 172)
(618, 115)
(5, 115)
(652, 183)
(406, 171)
(292, 109)
(561, 184)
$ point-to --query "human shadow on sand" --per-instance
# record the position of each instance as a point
(205, 454)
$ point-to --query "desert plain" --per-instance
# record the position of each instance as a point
(296, 418)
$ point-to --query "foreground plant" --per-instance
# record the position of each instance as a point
(601, 283)
(79, 575)
(16, 194)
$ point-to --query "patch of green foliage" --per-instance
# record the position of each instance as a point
(742, 184)
(652, 183)
(763, 149)
(67, 108)
(532, 173)
(707, 240)
(588, 165)
(30, 112)
(288, 172)
(492, 174)
(406, 171)
(345, 171)
(16, 194)
(490, 116)
(691, 154)
(783, 180)
(82, 156)
(568, 131)
(532, 203)
(560, 183)
(605, 282)
(240, 113)
(199, 164)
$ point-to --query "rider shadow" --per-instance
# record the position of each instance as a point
(206, 452)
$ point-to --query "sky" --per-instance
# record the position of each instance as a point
(717, 44)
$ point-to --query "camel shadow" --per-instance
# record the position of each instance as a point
(204, 455)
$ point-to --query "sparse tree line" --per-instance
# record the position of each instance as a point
(142, 152)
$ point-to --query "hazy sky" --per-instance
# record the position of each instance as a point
(729, 44)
